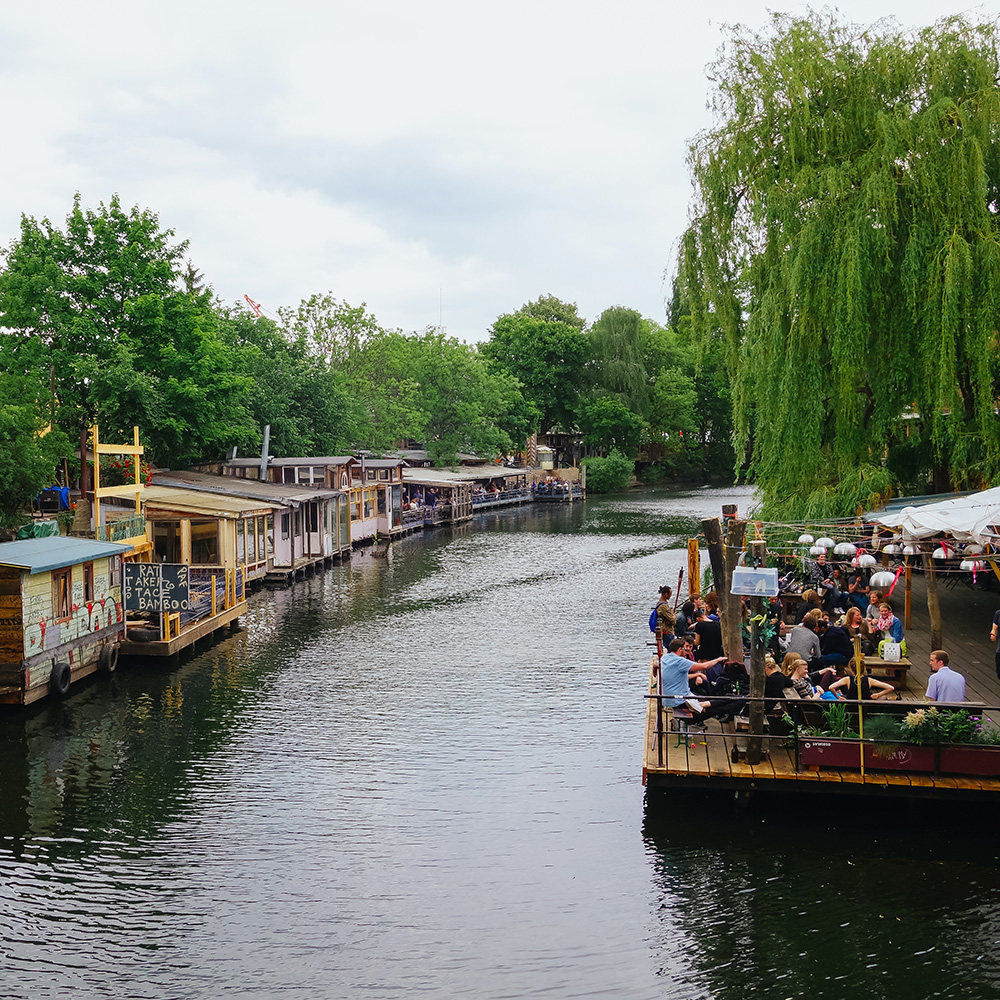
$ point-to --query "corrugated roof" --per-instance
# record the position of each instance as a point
(200, 502)
(282, 494)
(463, 474)
(37, 555)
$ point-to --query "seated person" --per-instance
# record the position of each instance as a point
(709, 637)
(819, 678)
(890, 626)
(871, 688)
(676, 691)
(810, 601)
(834, 643)
(798, 672)
(701, 676)
(776, 689)
(857, 587)
(803, 640)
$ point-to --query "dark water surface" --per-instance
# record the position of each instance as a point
(420, 776)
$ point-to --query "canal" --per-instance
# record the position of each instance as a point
(418, 774)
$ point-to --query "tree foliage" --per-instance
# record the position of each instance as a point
(844, 241)
(544, 347)
(29, 450)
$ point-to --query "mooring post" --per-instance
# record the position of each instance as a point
(757, 550)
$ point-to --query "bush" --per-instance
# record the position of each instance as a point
(606, 475)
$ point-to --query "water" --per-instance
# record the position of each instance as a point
(420, 776)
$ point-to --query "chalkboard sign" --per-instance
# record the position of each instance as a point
(156, 587)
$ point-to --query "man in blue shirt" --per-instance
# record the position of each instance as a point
(945, 684)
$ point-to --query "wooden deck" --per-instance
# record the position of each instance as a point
(702, 760)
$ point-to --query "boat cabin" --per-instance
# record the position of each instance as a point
(61, 615)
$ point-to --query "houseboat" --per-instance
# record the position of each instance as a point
(61, 614)
(308, 525)
(195, 584)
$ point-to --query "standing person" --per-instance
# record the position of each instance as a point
(945, 684)
(665, 619)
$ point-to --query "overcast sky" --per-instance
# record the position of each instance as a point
(437, 160)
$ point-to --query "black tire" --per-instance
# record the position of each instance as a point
(60, 680)
(107, 660)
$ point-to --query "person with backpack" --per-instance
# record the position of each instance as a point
(662, 621)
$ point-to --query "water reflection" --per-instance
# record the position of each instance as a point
(817, 899)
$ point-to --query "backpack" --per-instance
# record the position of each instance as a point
(652, 618)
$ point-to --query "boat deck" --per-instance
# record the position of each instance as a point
(702, 759)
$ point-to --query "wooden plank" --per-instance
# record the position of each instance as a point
(719, 760)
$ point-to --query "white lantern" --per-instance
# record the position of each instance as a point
(973, 550)
(882, 579)
(892, 549)
(911, 550)
(844, 549)
(971, 565)
(866, 559)
(940, 553)
(825, 542)
(806, 539)
(816, 550)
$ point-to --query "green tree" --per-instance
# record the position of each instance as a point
(290, 388)
(617, 365)
(608, 424)
(81, 293)
(546, 356)
(330, 326)
(29, 450)
(845, 243)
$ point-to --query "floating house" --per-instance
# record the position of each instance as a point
(61, 614)
(196, 583)
(444, 496)
(307, 526)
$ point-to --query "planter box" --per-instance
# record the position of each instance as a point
(847, 753)
(983, 761)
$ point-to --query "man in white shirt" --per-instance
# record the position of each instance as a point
(945, 684)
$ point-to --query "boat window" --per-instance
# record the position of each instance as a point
(61, 591)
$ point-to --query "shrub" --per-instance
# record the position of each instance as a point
(606, 475)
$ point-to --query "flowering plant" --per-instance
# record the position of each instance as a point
(933, 727)
(117, 470)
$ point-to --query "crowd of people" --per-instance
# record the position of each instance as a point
(812, 659)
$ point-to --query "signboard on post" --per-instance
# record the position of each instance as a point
(749, 582)
(156, 587)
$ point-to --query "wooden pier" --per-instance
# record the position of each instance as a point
(703, 759)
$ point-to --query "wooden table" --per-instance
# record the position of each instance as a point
(893, 671)
(790, 602)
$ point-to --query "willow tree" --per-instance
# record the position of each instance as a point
(844, 243)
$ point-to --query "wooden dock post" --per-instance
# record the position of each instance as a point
(694, 568)
(758, 550)
(729, 603)
(933, 606)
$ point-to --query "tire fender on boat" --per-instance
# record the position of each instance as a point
(60, 679)
(107, 660)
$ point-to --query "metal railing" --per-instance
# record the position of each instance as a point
(122, 528)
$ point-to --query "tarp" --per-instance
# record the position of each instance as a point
(39, 529)
(972, 518)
